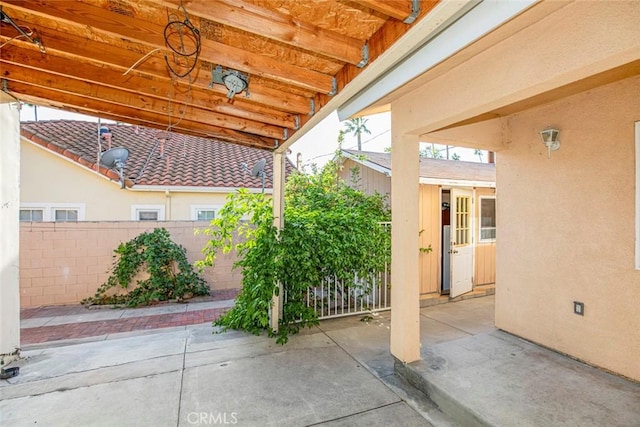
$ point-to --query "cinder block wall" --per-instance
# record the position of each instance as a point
(62, 263)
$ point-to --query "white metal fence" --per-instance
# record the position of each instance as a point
(335, 297)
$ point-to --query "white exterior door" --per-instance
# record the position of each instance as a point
(461, 242)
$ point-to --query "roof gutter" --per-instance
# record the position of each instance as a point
(440, 16)
(475, 20)
(187, 189)
(457, 182)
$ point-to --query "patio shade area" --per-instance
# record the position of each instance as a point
(249, 72)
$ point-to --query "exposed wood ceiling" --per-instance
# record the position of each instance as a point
(112, 59)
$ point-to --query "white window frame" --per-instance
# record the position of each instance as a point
(196, 208)
(480, 239)
(135, 209)
(32, 209)
(49, 209)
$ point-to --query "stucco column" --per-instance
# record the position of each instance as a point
(405, 284)
(278, 222)
(9, 230)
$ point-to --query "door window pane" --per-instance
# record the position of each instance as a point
(463, 222)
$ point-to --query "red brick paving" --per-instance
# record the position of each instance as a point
(103, 327)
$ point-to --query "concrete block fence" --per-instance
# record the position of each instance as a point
(62, 263)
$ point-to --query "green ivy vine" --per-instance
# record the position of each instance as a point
(329, 229)
(171, 277)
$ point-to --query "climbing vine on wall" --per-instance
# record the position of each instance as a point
(170, 276)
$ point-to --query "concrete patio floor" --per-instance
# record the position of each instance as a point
(338, 374)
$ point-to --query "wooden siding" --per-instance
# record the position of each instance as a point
(366, 179)
(371, 181)
(485, 269)
(430, 216)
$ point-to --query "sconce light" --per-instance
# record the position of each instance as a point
(550, 139)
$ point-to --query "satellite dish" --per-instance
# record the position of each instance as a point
(115, 158)
(258, 168)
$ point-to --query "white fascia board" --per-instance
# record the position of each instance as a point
(442, 14)
(186, 189)
(457, 183)
(477, 22)
(376, 167)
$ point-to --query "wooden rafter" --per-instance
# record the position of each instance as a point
(127, 99)
(148, 118)
(275, 26)
(106, 25)
(107, 58)
(77, 49)
(398, 9)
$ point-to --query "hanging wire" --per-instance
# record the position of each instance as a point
(141, 59)
(186, 50)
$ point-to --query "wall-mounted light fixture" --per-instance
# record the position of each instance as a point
(550, 138)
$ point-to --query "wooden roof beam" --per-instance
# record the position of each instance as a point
(60, 100)
(95, 91)
(103, 23)
(401, 10)
(153, 83)
(276, 26)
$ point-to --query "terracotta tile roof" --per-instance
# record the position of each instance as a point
(434, 168)
(183, 161)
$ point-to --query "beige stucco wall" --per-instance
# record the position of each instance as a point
(62, 263)
(567, 228)
(9, 242)
(49, 178)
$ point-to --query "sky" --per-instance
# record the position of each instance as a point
(316, 146)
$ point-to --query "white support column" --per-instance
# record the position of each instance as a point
(9, 230)
(405, 285)
(278, 222)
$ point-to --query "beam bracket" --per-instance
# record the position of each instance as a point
(334, 86)
(285, 134)
(296, 121)
(365, 56)
(415, 11)
(312, 111)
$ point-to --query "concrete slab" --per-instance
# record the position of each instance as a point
(210, 304)
(89, 316)
(368, 341)
(434, 332)
(132, 402)
(34, 322)
(499, 379)
(473, 316)
(250, 346)
(394, 414)
(55, 362)
(306, 382)
(151, 311)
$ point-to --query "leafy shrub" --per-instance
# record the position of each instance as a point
(171, 277)
(329, 229)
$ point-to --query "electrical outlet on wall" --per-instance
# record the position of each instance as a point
(578, 308)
